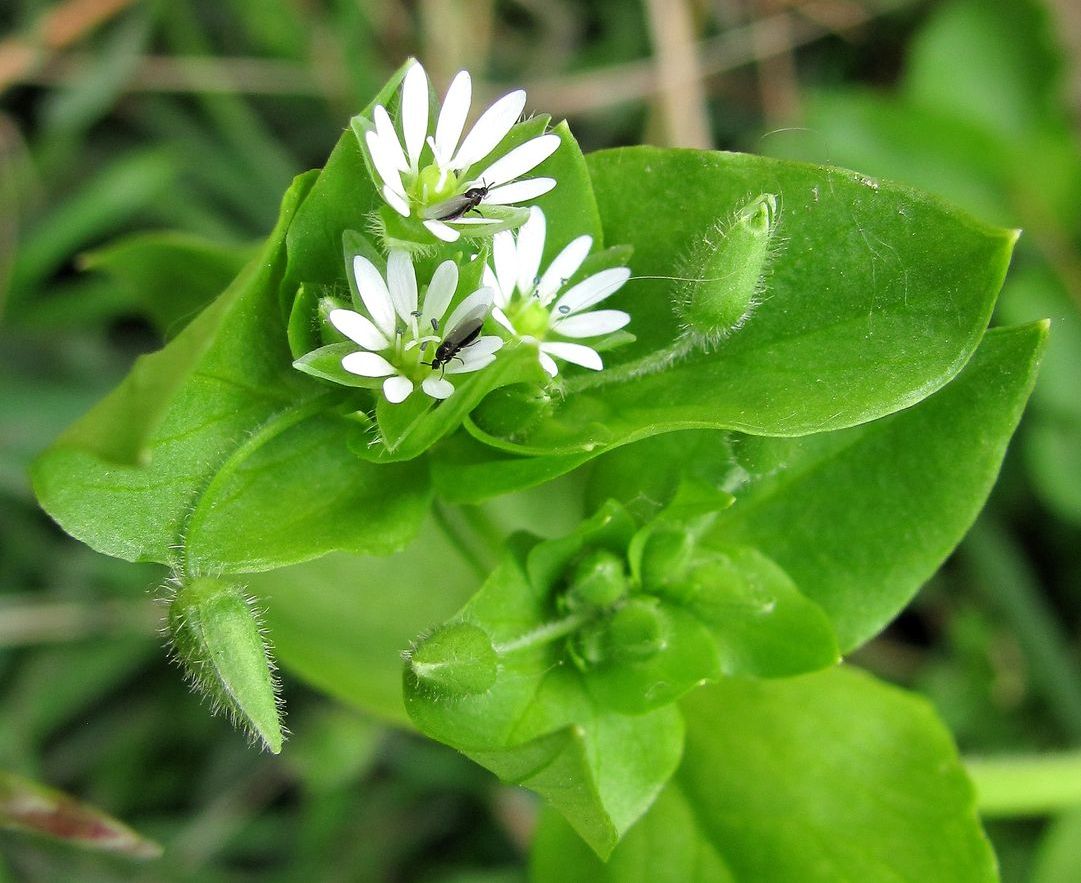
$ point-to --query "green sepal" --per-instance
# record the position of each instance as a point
(217, 638)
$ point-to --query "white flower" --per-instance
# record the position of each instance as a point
(396, 335)
(440, 185)
(523, 300)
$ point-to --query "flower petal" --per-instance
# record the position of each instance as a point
(358, 329)
(441, 231)
(452, 117)
(469, 366)
(522, 159)
(548, 363)
(480, 297)
(383, 163)
(397, 388)
(578, 353)
(367, 365)
(373, 291)
(519, 191)
(489, 130)
(388, 139)
(593, 289)
(530, 248)
(505, 258)
(591, 324)
(482, 347)
(402, 283)
(440, 290)
(396, 201)
(415, 112)
(563, 266)
(437, 387)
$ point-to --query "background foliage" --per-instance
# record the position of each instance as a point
(129, 126)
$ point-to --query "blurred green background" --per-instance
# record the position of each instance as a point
(130, 130)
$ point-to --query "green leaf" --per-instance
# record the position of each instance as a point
(666, 846)
(342, 622)
(861, 518)
(218, 445)
(826, 777)
(876, 298)
(832, 509)
(169, 276)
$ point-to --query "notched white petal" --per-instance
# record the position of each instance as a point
(386, 170)
(358, 329)
(563, 266)
(440, 291)
(374, 294)
(489, 130)
(402, 283)
(578, 353)
(396, 201)
(519, 191)
(389, 144)
(437, 387)
(397, 388)
(441, 231)
(505, 258)
(367, 365)
(530, 248)
(593, 289)
(415, 112)
(481, 297)
(547, 362)
(452, 117)
(522, 159)
(591, 324)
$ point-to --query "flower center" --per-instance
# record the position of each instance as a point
(529, 317)
(433, 185)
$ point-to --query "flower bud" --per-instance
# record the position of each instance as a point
(637, 631)
(218, 641)
(666, 556)
(727, 270)
(599, 580)
(455, 660)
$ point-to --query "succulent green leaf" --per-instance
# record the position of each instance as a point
(876, 298)
(825, 777)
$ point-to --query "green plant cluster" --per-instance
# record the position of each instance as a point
(739, 497)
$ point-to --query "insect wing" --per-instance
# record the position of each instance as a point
(448, 209)
(468, 328)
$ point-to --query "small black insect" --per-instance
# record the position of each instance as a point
(464, 334)
(453, 208)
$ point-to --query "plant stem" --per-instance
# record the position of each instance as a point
(545, 634)
(1027, 785)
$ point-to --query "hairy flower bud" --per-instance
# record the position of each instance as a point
(725, 273)
(599, 580)
(455, 660)
(217, 639)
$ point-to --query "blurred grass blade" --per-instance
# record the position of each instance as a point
(104, 204)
